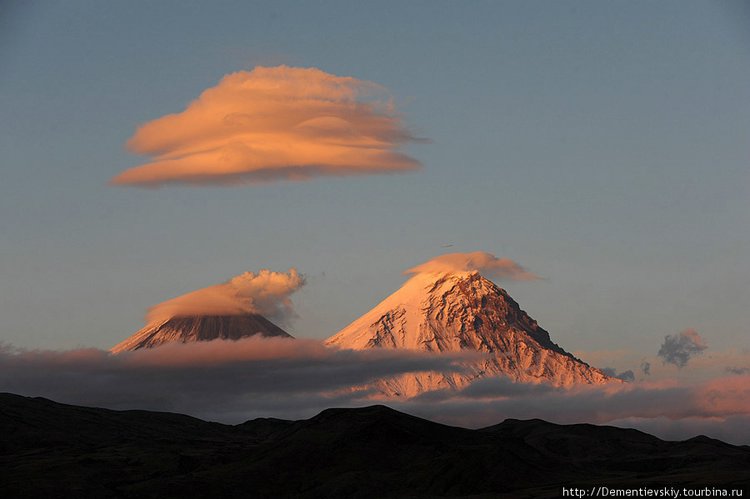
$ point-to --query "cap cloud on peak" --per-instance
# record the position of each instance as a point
(480, 262)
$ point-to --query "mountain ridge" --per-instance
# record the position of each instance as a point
(364, 452)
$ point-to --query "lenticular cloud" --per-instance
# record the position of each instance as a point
(271, 124)
(266, 293)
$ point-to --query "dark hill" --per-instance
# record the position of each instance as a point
(55, 450)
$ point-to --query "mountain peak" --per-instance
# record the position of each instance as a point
(460, 311)
(187, 329)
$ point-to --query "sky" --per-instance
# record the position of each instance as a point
(601, 145)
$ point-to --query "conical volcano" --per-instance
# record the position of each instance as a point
(463, 311)
(200, 328)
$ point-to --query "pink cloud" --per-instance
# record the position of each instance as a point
(726, 396)
(269, 124)
(266, 293)
(217, 352)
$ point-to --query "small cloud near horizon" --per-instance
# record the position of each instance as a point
(272, 124)
(678, 349)
(628, 376)
(265, 293)
(479, 261)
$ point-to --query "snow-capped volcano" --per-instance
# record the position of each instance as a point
(463, 311)
(200, 328)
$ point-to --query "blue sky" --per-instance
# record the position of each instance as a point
(603, 145)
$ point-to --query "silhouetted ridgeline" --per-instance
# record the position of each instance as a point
(55, 450)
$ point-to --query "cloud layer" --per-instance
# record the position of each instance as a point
(261, 377)
(266, 293)
(677, 349)
(480, 261)
(229, 381)
(273, 123)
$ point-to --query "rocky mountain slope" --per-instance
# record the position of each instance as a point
(463, 311)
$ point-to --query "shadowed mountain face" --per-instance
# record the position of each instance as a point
(55, 450)
(200, 328)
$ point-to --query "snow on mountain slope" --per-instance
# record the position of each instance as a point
(463, 311)
(200, 328)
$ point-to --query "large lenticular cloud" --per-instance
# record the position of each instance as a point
(480, 261)
(266, 293)
(273, 123)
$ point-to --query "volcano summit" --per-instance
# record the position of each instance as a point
(463, 311)
(200, 328)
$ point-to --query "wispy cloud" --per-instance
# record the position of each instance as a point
(700, 408)
(270, 124)
(480, 261)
